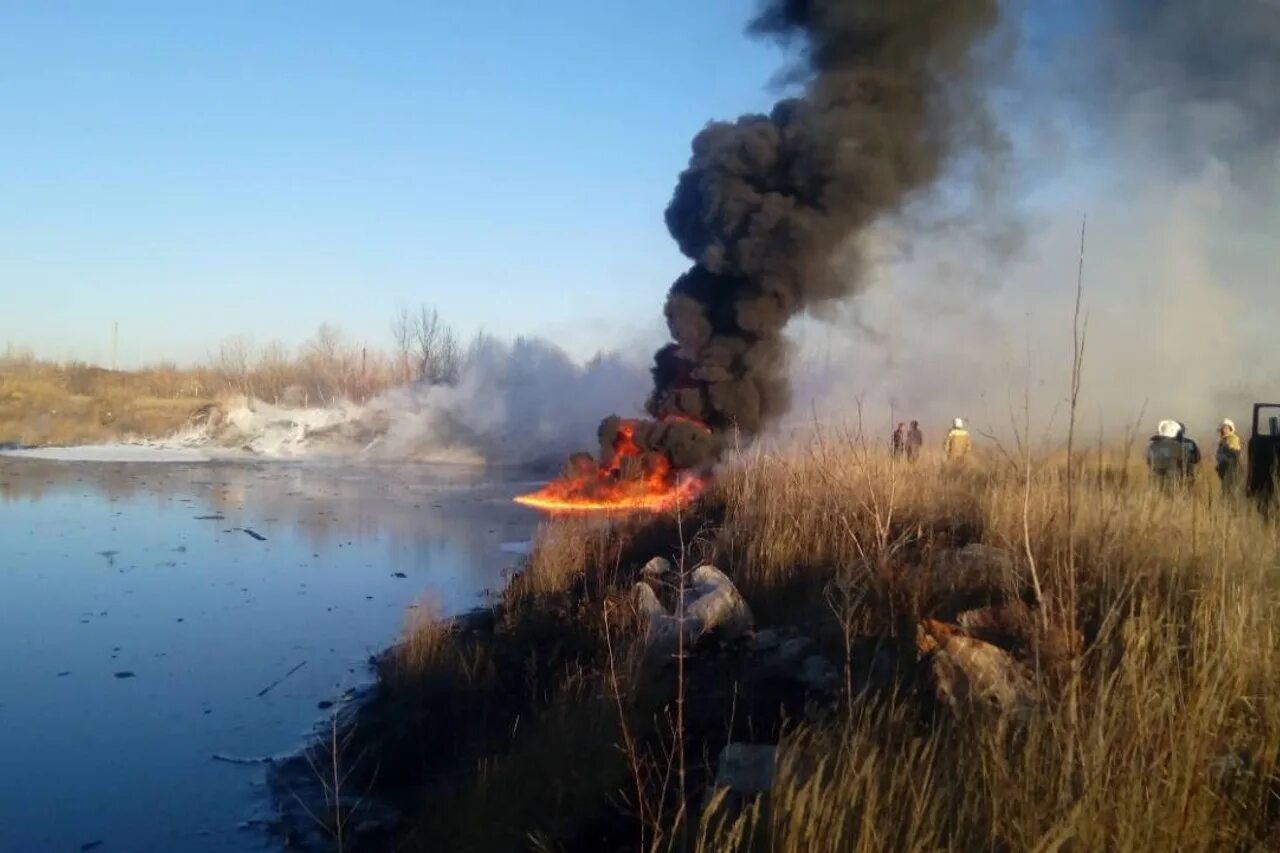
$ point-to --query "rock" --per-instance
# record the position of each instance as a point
(819, 674)
(712, 605)
(974, 573)
(746, 768)
(1009, 625)
(647, 601)
(764, 640)
(655, 569)
(662, 630)
(971, 674)
(792, 650)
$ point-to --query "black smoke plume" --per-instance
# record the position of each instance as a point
(768, 202)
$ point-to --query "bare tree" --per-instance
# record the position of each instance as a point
(232, 363)
(429, 343)
(330, 362)
(403, 328)
(274, 370)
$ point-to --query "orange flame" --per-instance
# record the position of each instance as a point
(631, 481)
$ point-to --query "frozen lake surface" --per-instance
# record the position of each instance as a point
(144, 608)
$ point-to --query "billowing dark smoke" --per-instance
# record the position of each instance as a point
(767, 202)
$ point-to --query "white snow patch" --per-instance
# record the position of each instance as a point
(112, 453)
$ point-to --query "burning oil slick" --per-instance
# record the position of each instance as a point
(764, 208)
(644, 465)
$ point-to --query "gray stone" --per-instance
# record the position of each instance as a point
(712, 604)
(970, 674)
(792, 651)
(975, 569)
(656, 569)
(746, 768)
(818, 673)
(764, 640)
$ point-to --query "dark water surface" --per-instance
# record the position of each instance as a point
(136, 637)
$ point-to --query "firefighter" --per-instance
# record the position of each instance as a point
(958, 443)
(1193, 449)
(1169, 454)
(900, 440)
(1227, 462)
(915, 441)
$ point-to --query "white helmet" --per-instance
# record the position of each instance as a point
(1228, 424)
(958, 423)
(1167, 429)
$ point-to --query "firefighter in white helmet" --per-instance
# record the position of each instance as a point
(957, 444)
(1170, 458)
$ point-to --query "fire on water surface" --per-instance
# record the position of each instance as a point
(560, 496)
(630, 480)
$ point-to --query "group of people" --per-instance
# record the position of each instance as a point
(1173, 456)
(907, 441)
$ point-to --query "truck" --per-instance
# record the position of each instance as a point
(1264, 454)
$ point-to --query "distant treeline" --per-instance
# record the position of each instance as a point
(325, 368)
(49, 402)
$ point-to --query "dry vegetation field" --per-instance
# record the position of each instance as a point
(63, 403)
(1149, 644)
(42, 403)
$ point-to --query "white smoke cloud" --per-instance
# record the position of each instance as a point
(515, 403)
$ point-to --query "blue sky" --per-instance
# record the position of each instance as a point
(196, 171)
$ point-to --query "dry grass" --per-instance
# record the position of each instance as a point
(1166, 734)
(425, 652)
(1158, 729)
(49, 404)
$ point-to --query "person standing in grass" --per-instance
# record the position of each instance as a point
(1193, 450)
(915, 441)
(1228, 458)
(900, 440)
(1169, 458)
(958, 443)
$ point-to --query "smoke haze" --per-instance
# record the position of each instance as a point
(1160, 121)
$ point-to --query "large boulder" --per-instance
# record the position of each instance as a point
(746, 768)
(968, 577)
(712, 605)
(973, 675)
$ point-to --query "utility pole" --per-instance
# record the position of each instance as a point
(115, 343)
